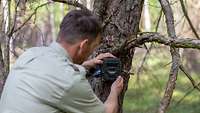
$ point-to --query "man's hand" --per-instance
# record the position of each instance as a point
(111, 104)
(117, 86)
(97, 60)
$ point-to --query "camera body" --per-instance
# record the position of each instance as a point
(109, 70)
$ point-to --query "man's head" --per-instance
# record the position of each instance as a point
(79, 34)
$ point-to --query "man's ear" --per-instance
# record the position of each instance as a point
(84, 44)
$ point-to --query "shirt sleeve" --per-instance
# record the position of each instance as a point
(81, 99)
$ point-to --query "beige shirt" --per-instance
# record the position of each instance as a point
(44, 80)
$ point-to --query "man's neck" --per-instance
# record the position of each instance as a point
(70, 49)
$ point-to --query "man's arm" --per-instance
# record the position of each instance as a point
(111, 104)
(97, 60)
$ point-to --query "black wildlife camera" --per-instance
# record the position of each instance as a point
(109, 70)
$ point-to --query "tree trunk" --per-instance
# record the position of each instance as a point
(5, 59)
(52, 23)
(1, 69)
(120, 20)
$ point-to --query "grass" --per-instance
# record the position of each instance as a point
(144, 96)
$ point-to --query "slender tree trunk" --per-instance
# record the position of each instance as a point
(164, 104)
(1, 41)
(90, 4)
(147, 19)
(5, 47)
(1, 69)
(1, 37)
(1, 62)
(62, 8)
(120, 20)
(52, 23)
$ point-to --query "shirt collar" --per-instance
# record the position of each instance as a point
(58, 48)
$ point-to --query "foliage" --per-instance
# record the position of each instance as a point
(143, 96)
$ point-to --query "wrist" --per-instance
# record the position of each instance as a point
(86, 65)
(114, 93)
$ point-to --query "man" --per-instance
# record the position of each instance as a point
(52, 79)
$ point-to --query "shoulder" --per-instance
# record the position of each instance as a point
(30, 54)
(81, 97)
(74, 72)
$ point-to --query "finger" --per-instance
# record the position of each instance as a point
(118, 80)
(119, 77)
(121, 80)
(104, 55)
(98, 61)
(109, 55)
(100, 56)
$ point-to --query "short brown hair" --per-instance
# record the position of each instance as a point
(79, 24)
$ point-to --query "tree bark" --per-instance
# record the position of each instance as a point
(156, 37)
(1, 69)
(164, 104)
(6, 23)
(120, 19)
(1, 62)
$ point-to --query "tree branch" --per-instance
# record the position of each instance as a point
(188, 19)
(186, 94)
(196, 86)
(148, 50)
(143, 61)
(15, 19)
(156, 37)
(73, 3)
(164, 104)
(35, 11)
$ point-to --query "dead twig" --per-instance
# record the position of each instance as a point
(35, 11)
(188, 19)
(148, 50)
(72, 2)
(15, 18)
(186, 94)
(196, 86)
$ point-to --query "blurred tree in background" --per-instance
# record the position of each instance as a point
(127, 27)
